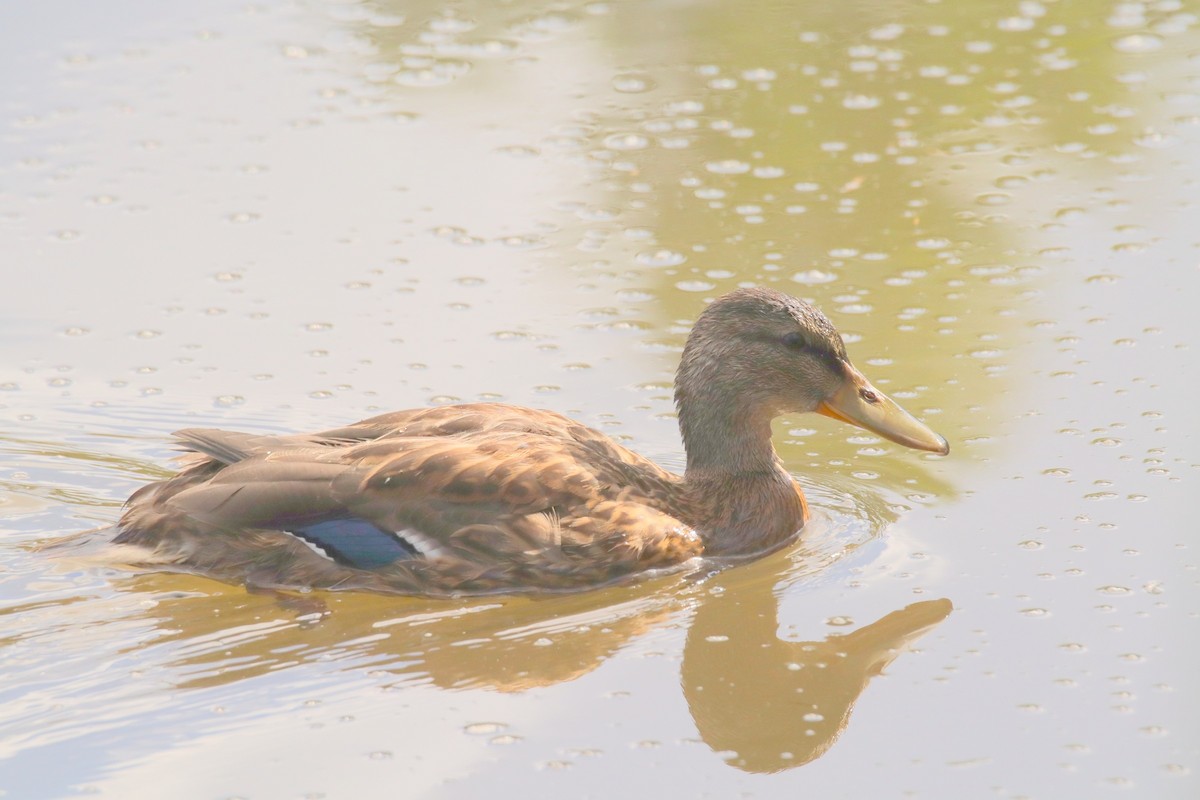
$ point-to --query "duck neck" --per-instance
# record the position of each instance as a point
(748, 501)
(721, 439)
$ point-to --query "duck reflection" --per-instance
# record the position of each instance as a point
(773, 704)
(764, 702)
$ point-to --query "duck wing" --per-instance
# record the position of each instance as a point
(482, 492)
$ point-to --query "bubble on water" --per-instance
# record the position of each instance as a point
(504, 739)
(933, 243)
(633, 82)
(228, 401)
(1156, 140)
(812, 277)
(886, 33)
(510, 336)
(768, 172)
(432, 73)
(729, 166)
(993, 199)
(1114, 590)
(660, 258)
(483, 728)
(861, 101)
(624, 142)
(1138, 43)
(759, 75)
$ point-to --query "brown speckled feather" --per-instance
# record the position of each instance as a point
(495, 497)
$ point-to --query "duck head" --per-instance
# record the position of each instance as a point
(757, 353)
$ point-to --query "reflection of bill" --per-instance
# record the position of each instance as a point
(776, 704)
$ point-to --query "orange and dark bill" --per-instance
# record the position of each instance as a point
(861, 404)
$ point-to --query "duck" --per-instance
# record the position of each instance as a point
(488, 498)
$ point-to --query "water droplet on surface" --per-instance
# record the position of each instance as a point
(626, 141)
(933, 243)
(436, 72)
(860, 101)
(812, 277)
(504, 739)
(1137, 43)
(729, 166)
(1156, 140)
(660, 258)
(633, 83)
(993, 199)
(481, 728)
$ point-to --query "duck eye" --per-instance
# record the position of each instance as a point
(794, 340)
(868, 395)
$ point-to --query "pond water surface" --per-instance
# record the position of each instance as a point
(283, 216)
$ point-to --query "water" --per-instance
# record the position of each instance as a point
(285, 216)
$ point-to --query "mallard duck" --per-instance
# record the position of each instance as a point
(482, 498)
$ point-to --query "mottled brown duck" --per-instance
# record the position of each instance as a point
(482, 498)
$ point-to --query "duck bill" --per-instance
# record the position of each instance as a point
(861, 404)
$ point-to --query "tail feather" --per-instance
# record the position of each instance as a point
(227, 447)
